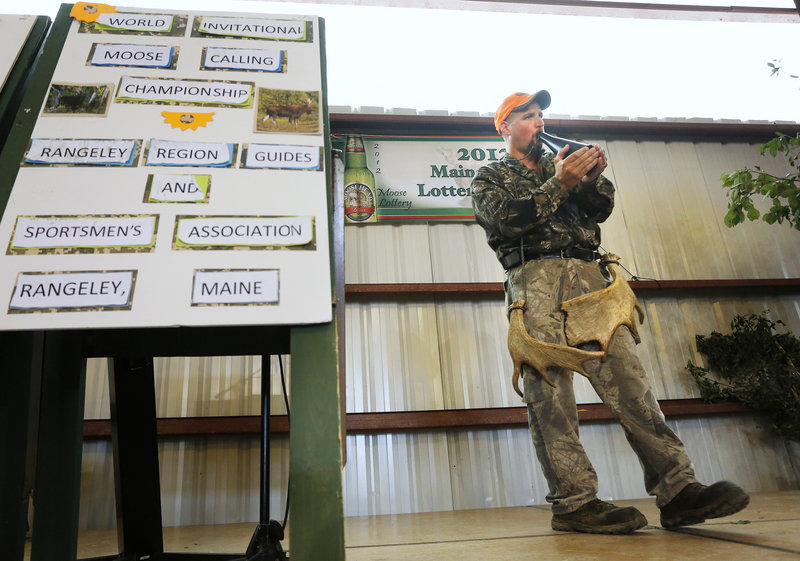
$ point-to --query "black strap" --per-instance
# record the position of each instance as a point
(514, 258)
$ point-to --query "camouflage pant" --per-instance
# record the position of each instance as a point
(620, 382)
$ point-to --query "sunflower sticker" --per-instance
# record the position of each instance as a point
(186, 120)
(89, 11)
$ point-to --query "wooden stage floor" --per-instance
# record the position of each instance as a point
(768, 530)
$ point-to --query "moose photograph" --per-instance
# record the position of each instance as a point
(78, 99)
(287, 111)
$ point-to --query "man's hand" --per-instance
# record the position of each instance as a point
(595, 172)
(583, 166)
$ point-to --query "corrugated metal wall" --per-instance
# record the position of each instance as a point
(450, 353)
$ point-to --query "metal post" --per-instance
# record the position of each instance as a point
(137, 486)
(19, 412)
(265, 545)
(58, 467)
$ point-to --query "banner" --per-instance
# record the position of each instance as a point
(426, 178)
(170, 179)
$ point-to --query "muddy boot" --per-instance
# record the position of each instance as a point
(599, 517)
(696, 502)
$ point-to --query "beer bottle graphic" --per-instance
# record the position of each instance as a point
(359, 183)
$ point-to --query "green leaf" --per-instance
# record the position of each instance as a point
(730, 219)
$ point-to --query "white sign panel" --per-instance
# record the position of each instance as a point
(175, 176)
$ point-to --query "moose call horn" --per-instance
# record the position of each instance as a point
(556, 144)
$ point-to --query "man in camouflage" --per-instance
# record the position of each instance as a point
(541, 213)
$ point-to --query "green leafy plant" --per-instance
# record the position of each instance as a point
(754, 365)
(783, 192)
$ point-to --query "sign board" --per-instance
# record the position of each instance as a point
(427, 178)
(176, 175)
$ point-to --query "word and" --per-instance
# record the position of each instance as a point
(178, 188)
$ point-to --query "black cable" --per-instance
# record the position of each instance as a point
(286, 401)
(633, 277)
(283, 384)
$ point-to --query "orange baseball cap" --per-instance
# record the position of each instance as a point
(517, 101)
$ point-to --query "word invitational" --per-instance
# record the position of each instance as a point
(281, 30)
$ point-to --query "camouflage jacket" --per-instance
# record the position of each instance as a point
(513, 202)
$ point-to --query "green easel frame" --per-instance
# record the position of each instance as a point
(41, 427)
